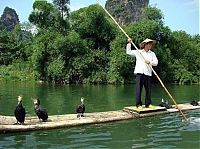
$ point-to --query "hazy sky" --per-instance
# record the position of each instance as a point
(178, 14)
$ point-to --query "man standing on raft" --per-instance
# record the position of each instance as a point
(142, 70)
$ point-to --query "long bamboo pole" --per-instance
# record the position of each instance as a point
(186, 120)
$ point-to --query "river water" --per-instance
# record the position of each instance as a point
(165, 131)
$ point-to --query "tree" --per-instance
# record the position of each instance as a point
(185, 54)
(55, 69)
(9, 46)
(42, 15)
(92, 24)
(181, 73)
(62, 18)
(46, 16)
(153, 13)
(62, 5)
(195, 59)
(77, 57)
(44, 51)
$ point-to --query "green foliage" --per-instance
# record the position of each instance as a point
(92, 50)
(185, 52)
(98, 77)
(181, 74)
(121, 65)
(62, 6)
(42, 15)
(153, 13)
(44, 50)
(62, 17)
(55, 69)
(18, 71)
(9, 47)
(46, 16)
(92, 24)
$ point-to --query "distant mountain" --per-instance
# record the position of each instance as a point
(9, 19)
(126, 11)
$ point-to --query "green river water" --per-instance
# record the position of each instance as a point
(164, 131)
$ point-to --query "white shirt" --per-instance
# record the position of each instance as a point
(141, 66)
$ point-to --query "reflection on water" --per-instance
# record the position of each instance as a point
(195, 121)
(193, 124)
(164, 131)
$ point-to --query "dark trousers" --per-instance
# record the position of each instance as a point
(143, 80)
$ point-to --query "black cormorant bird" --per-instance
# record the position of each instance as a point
(194, 103)
(165, 104)
(40, 112)
(80, 109)
(20, 111)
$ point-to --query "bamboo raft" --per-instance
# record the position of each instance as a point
(59, 121)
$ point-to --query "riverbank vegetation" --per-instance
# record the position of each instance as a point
(85, 46)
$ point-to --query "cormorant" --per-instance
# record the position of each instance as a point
(80, 109)
(20, 111)
(40, 112)
(194, 103)
(165, 104)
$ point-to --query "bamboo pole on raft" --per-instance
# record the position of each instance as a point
(186, 120)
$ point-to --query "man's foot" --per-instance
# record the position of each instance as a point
(150, 106)
(139, 107)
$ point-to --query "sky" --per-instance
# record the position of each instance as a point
(178, 14)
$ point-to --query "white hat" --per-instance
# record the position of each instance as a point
(147, 41)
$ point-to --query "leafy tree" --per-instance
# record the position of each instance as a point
(62, 18)
(185, 55)
(54, 56)
(62, 5)
(42, 15)
(46, 16)
(43, 51)
(153, 13)
(92, 50)
(121, 66)
(55, 69)
(9, 47)
(78, 60)
(92, 24)
(194, 60)
(181, 73)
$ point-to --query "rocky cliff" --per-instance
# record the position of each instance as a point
(126, 11)
(9, 19)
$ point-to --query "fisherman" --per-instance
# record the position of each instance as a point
(144, 57)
